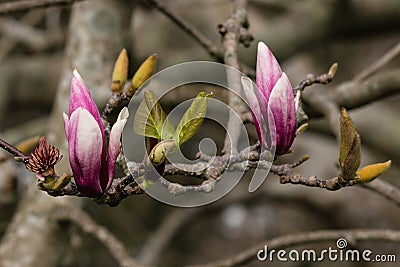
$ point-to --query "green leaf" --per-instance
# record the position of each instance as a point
(192, 119)
(151, 120)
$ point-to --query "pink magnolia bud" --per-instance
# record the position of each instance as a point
(92, 166)
(274, 91)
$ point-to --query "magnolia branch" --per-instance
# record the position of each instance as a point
(284, 171)
(209, 169)
(13, 151)
(287, 176)
(120, 189)
(286, 241)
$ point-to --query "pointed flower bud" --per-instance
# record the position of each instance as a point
(92, 167)
(142, 74)
(274, 92)
(120, 72)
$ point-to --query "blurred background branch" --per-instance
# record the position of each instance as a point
(23, 5)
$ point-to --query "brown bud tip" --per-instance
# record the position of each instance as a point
(143, 74)
(120, 72)
(370, 172)
(43, 158)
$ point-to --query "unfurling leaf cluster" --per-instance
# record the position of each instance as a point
(151, 121)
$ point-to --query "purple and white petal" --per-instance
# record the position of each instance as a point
(281, 103)
(268, 70)
(80, 97)
(254, 105)
(114, 144)
(85, 152)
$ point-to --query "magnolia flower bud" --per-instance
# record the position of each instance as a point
(92, 167)
(274, 95)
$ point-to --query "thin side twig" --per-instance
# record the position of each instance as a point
(212, 48)
(13, 151)
(186, 26)
(89, 226)
(155, 245)
(311, 79)
(385, 189)
(391, 54)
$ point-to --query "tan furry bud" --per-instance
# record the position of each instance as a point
(142, 74)
(120, 73)
(350, 147)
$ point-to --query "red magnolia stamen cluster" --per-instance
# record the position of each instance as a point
(42, 160)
